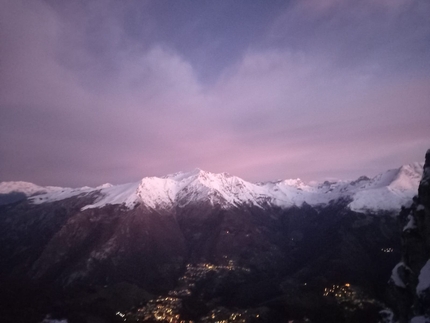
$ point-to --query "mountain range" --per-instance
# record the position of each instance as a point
(386, 191)
(202, 247)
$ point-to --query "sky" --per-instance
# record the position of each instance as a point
(114, 91)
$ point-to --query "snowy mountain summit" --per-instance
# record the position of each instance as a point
(387, 191)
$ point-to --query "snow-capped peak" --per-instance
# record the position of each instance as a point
(386, 191)
(216, 188)
(408, 177)
(389, 190)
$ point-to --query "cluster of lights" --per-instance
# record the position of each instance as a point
(180, 292)
(338, 291)
(167, 308)
(164, 309)
(199, 271)
(387, 250)
(222, 315)
(349, 295)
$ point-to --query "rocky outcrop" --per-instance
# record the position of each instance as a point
(410, 279)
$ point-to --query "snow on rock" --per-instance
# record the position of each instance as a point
(424, 278)
(411, 223)
(387, 191)
(157, 192)
(222, 189)
(39, 194)
(59, 193)
(106, 185)
(420, 319)
(395, 277)
(49, 319)
(22, 187)
(294, 192)
(382, 198)
(408, 177)
(118, 194)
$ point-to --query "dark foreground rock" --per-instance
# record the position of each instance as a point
(410, 280)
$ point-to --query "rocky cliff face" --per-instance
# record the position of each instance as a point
(410, 278)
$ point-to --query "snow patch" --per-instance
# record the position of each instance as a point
(424, 278)
(118, 194)
(420, 319)
(106, 185)
(59, 194)
(23, 187)
(411, 223)
(49, 319)
(395, 277)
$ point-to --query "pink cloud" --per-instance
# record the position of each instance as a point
(72, 115)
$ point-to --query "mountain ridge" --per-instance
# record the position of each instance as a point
(285, 235)
(386, 191)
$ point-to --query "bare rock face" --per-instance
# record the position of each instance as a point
(410, 280)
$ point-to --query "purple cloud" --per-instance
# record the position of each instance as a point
(93, 93)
